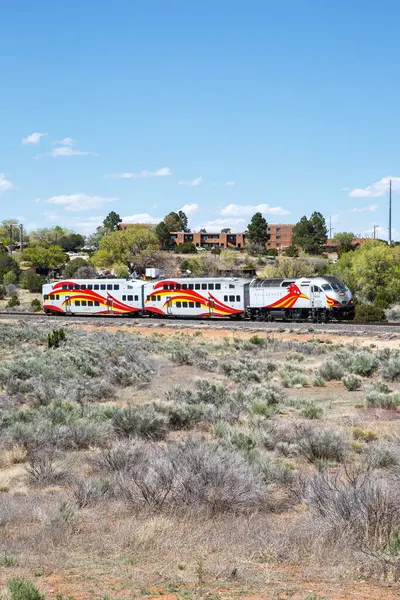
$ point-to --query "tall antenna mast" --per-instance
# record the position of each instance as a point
(390, 212)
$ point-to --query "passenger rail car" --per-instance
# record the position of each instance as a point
(312, 299)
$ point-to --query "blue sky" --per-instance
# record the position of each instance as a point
(221, 106)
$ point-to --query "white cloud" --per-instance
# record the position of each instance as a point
(67, 141)
(229, 183)
(142, 218)
(34, 138)
(85, 226)
(68, 151)
(370, 208)
(5, 184)
(163, 172)
(79, 202)
(193, 183)
(248, 210)
(218, 224)
(377, 189)
(189, 209)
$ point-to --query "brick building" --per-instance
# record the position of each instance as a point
(281, 237)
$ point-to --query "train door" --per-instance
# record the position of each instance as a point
(316, 296)
(68, 304)
(211, 304)
(246, 296)
(110, 305)
(169, 305)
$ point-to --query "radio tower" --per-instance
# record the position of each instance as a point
(390, 212)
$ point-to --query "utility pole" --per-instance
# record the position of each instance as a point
(21, 233)
(375, 226)
(390, 212)
(330, 228)
(11, 238)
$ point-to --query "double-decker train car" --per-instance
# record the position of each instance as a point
(309, 299)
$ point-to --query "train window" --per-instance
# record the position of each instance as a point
(90, 303)
(124, 298)
(217, 286)
(210, 286)
(179, 305)
(116, 287)
(178, 286)
(165, 286)
(154, 298)
(64, 287)
(196, 286)
(326, 286)
(184, 286)
(77, 302)
(191, 286)
(77, 286)
(225, 298)
(191, 304)
(148, 298)
(102, 286)
(158, 298)
(198, 305)
(184, 304)
(96, 303)
(83, 286)
(90, 286)
(203, 286)
(237, 298)
(96, 286)
(46, 297)
(231, 298)
(57, 297)
(83, 303)
(109, 286)
(130, 298)
(51, 296)
(171, 287)
(136, 298)
(231, 286)
(70, 287)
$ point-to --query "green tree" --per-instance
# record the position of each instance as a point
(258, 230)
(311, 234)
(122, 246)
(45, 259)
(94, 238)
(48, 236)
(291, 251)
(203, 230)
(289, 267)
(164, 236)
(32, 282)
(5, 232)
(7, 263)
(73, 265)
(176, 221)
(85, 272)
(225, 230)
(184, 220)
(10, 277)
(72, 242)
(112, 221)
(344, 240)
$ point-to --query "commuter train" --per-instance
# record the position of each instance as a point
(306, 298)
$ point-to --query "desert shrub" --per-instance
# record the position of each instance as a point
(390, 370)
(257, 340)
(293, 379)
(330, 370)
(383, 455)
(248, 370)
(55, 338)
(243, 441)
(368, 312)
(351, 382)
(366, 435)
(183, 415)
(21, 589)
(44, 468)
(364, 363)
(311, 411)
(210, 392)
(10, 278)
(318, 381)
(393, 314)
(13, 301)
(143, 421)
(382, 400)
(36, 305)
(87, 492)
(320, 444)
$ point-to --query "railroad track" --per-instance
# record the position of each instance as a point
(190, 323)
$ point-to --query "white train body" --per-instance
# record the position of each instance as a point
(314, 299)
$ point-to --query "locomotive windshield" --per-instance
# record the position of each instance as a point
(339, 287)
(326, 286)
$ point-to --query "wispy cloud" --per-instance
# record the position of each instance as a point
(67, 141)
(376, 189)
(163, 172)
(85, 225)
(5, 184)
(33, 138)
(229, 183)
(79, 202)
(193, 183)
(370, 208)
(190, 209)
(142, 219)
(248, 210)
(217, 224)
